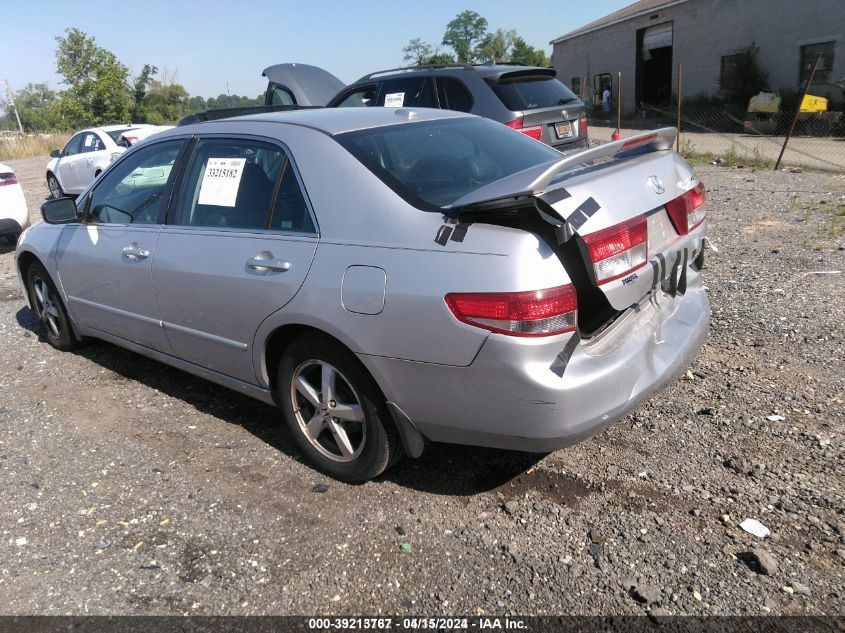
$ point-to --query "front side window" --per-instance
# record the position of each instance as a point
(73, 145)
(433, 163)
(825, 65)
(363, 97)
(229, 183)
(133, 192)
(409, 92)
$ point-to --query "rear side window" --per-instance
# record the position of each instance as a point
(529, 92)
(282, 97)
(91, 142)
(453, 95)
(433, 163)
(409, 92)
(229, 184)
(290, 213)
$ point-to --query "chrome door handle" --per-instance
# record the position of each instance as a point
(135, 252)
(271, 265)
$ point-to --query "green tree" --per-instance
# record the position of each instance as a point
(163, 104)
(524, 53)
(421, 53)
(36, 105)
(462, 34)
(97, 91)
(143, 80)
(495, 47)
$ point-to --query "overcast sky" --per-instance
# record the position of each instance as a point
(206, 44)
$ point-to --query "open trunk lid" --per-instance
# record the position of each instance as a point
(585, 194)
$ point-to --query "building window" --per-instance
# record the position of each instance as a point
(575, 82)
(730, 63)
(823, 70)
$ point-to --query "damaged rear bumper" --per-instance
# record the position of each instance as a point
(541, 394)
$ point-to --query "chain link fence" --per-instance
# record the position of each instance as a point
(753, 136)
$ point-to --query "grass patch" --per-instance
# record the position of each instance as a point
(834, 227)
(31, 145)
(729, 158)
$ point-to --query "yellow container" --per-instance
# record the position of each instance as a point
(811, 103)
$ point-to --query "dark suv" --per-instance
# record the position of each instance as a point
(527, 98)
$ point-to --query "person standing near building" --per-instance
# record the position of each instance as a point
(605, 101)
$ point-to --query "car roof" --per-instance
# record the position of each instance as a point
(483, 70)
(335, 120)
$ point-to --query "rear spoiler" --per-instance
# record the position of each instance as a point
(535, 181)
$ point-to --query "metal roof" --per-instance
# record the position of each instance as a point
(643, 7)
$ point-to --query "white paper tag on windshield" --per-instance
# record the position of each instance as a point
(394, 100)
(221, 181)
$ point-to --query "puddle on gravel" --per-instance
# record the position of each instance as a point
(562, 489)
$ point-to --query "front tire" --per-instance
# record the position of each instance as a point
(45, 300)
(334, 410)
(54, 186)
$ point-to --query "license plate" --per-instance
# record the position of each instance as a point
(563, 129)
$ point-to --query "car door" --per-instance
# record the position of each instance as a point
(67, 165)
(105, 263)
(92, 148)
(237, 247)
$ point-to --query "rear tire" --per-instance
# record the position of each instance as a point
(12, 238)
(335, 411)
(54, 186)
(47, 303)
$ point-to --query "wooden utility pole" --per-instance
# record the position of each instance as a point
(678, 137)
(11, 99)
(798, 109)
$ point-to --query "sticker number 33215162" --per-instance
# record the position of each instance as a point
(394, 100)
(221, 181)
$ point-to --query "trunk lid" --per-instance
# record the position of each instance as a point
(303, 84)
(630, 178)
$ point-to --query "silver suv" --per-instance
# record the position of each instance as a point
(526, 98)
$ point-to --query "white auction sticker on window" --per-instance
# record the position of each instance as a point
(394, 100)
(221, 181)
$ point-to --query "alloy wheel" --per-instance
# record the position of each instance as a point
(45, 306)
(328, 410)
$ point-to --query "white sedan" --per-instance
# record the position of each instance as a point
(88, 153)
(14, 216)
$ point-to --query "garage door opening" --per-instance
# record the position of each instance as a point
(654, 64)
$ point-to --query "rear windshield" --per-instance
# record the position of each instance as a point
(529, 92)
(116, 134)
(433, 163)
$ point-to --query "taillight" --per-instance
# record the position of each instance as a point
(534, 132)
(619, 249)
(687, 210)
(131, 139)
(533, 313)
(8, 178)
(584, 127)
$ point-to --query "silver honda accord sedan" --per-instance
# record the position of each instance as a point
(388, 276)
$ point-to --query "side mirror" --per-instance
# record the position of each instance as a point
(56, 153)
(59, 211)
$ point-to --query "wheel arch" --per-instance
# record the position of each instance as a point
(277, 342)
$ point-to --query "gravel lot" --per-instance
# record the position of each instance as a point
(127, 487)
